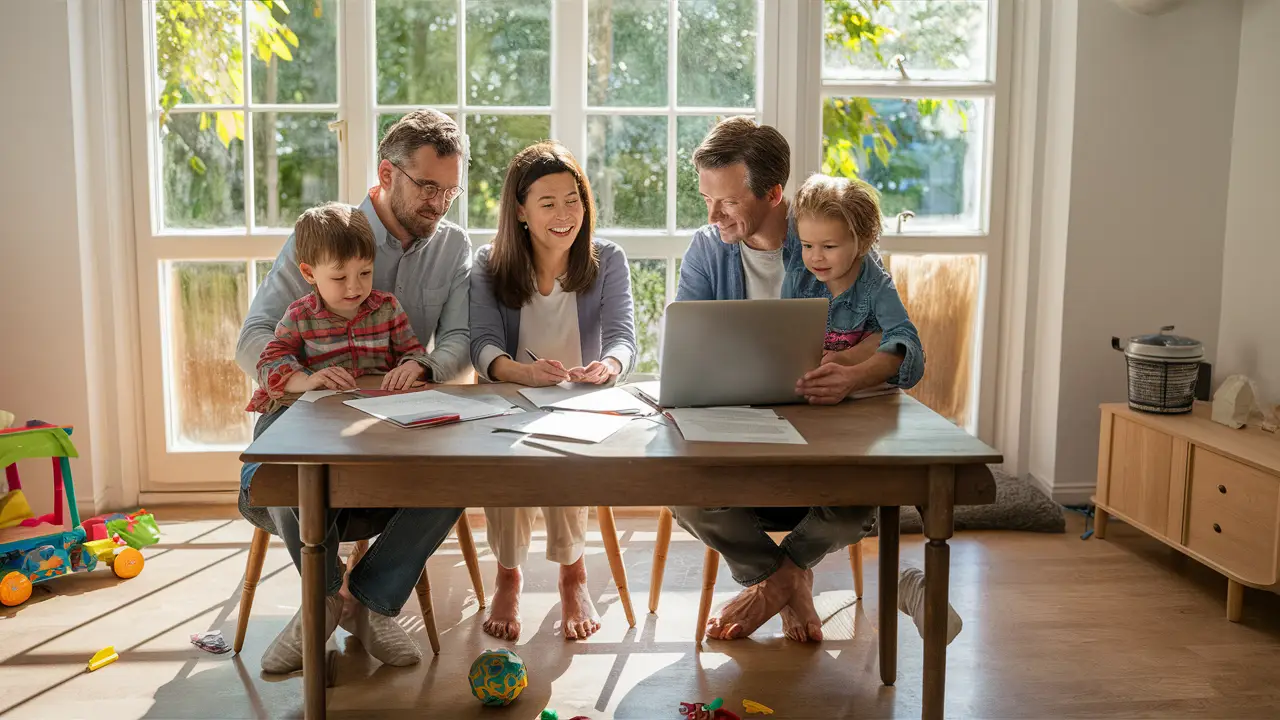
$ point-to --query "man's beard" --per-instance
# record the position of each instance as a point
(406, 213)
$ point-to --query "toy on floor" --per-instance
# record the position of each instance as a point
(497, 677)
(103, 657)
(707, 711)
(36, 549)
(751, 706)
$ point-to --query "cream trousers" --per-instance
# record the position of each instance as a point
(510, 530)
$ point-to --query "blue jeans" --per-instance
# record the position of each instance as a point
(387, 574)
(740, 535)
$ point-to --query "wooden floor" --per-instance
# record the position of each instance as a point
(1054, 627)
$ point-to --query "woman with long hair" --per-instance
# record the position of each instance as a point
(549, 304)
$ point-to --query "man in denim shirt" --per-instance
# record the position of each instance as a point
(425, 262)
(743, 254)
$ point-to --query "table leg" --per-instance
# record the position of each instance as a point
(312, 513)
(889, 532)
(938, 526)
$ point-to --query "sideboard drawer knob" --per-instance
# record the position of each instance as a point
(1217, 528)
(1222, 489)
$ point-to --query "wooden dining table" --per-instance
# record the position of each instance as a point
(886, 451)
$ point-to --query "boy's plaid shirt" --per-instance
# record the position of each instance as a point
(310, 337)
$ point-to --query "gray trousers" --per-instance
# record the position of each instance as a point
(740, 535)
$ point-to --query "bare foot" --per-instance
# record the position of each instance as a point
(580, 620)
(754, 606)
(504, 611)
(800, 620)
(349, 603)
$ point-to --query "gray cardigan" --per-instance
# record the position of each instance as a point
(606, 317)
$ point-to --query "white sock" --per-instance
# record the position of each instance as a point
(284, 655)
(911, 602)
(383, 637)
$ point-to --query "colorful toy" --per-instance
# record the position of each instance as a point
(549, 714)
(37, 549)
(752, 706)
(497, 677)
(708, 711)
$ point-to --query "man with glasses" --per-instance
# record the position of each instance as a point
(425, 262)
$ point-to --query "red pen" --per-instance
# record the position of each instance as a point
(434, 420)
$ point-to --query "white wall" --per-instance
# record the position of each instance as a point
(1249, 337)
(63, 194)
(41, 305)
(1139, 241)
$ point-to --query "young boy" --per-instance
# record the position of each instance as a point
(344, 328)
(341, 330)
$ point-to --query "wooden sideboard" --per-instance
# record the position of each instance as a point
(1203, 488)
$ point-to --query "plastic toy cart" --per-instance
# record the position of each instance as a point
(39, 548)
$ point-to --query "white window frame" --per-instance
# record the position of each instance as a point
(789, 91)
(804, 128)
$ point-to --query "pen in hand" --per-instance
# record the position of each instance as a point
(532, 357)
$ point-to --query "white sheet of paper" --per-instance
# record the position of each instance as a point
(608, 400)
(413, 406)
(544, 396)
(580, 426)
(738, 425)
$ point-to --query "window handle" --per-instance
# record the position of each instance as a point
(339, 127)
(900, 62)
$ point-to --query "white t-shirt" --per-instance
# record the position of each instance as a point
(549, 327)
(762, 271)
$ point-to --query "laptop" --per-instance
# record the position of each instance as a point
(739, 352)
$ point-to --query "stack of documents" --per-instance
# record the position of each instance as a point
(428, 408)
(735, 424)
(588, 398)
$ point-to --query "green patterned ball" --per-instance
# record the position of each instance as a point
(497, 677)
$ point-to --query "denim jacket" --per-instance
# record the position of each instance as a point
(871, 305)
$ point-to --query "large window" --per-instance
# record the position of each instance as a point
(254, 110)
(909, 92)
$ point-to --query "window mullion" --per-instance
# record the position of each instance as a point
(355, 96)
(569, 75)
(464, 200)
(246, 62)
(908, 89)
(673, 57)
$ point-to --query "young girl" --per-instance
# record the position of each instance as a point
(870, 340)
(838, 220)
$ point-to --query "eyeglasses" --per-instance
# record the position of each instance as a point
(429, 190)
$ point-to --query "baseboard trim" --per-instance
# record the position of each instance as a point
(1063, 494)
(201, 497)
